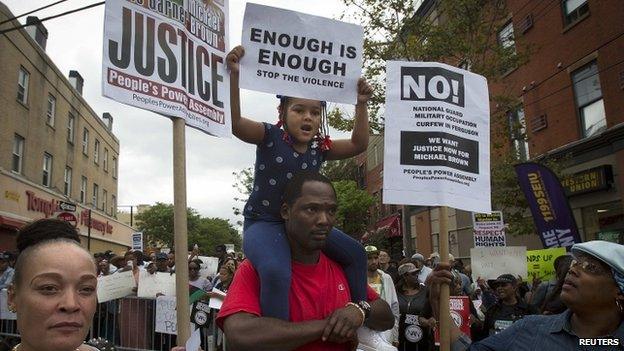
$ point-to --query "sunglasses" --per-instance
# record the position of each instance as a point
(588, 266)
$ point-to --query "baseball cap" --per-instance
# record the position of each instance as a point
(407, 268)
(610, 253)
(370, 249)
(502, 279)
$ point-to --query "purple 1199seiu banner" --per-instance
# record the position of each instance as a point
(549, 205)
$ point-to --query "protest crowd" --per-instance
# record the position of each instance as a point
(299, 282)
(406, 284)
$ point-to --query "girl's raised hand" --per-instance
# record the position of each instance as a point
(233, 58)
(365, 91)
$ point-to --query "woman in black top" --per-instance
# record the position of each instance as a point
(415, 323)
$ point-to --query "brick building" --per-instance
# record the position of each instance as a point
(571, 105)
(53, 147)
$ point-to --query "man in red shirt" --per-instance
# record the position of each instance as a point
(321, 314)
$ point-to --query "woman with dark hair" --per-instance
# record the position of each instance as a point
(415, 322)
(54, 298)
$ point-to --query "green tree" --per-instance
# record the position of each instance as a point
(214, 231)
(340, 169)
(353, 205)
(156, 223)
(243, 184)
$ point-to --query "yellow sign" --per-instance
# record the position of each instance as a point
(11, 195)
(541, 263)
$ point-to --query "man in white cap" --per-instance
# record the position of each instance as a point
(383, 284)
(593, 291)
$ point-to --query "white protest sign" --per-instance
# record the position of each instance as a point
(166, 315)
(296, 54)
(4, 307)
(490, 262)
(215, 302)
(115, 286)
(194, 341)
(209, 268)
(437, 137)
(157, 283)
(137, 241)
(489, 229)
(169, 59)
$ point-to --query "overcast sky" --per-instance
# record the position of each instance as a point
(145, 168)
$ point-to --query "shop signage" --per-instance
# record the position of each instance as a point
(67, 206)
(68, 217)
(37, 204)
(101, 226)
(11, 195)
(599, 178)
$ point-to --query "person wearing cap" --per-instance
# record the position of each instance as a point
(419, 261)
(161, 264)
(507, 310)
(415, 322)
(383, 284)
(6, 271)
(593, 291)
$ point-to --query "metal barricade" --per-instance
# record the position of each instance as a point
(128, 323)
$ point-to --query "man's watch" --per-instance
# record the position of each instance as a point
(366, 307)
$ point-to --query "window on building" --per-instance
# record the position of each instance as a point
(18, 153)
(51, 111)
(96, 191)
(517, 133)
(506, 36)
(105, 160)
(96, 152)
(68, 181)
(83, 190)
(70, 127)
(47, 169)
(113, 209)
(85, 141)
(589, 100)
(114, 167)
(573, 10)
(104, 200)
(22, 85)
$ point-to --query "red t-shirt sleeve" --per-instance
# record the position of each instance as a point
(243, 294)
(371, 294)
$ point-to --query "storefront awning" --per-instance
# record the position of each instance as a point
(392, 224)
(9, 222)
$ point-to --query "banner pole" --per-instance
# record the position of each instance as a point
(445, 313)
(180, 240)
